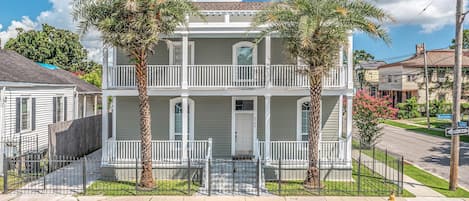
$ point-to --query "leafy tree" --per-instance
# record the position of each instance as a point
(135, 26)
(368, 111)
(52, 46)
(465, 40)
(93, 77)
(314, 31)
(358, 57)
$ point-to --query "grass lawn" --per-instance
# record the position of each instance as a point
(122, 188)
(422, 130)
(434, 122)
(371, 185)
(427, 179)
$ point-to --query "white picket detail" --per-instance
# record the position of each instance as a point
(162, 150)
(295, 76)
(226, 76)
(298, 150)
(163, 76)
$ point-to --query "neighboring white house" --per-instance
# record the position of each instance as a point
(212, 81)
(32, 96)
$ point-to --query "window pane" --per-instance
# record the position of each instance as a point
(305, 112)
(59, 109)
(177, 55)
(247, 105)
(25, 114)
(178, 137)
(304, 137)
(244, 55)
(178, 121)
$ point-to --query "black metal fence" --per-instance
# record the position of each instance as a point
(91, 176)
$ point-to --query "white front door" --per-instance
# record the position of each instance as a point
(244, 133)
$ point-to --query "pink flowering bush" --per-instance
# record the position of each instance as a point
(368, 112)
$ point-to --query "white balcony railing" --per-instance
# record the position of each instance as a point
(164, 76)
(162, 150)
(298, 150)
(224, 76)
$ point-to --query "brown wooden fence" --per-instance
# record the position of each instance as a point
(77, 137)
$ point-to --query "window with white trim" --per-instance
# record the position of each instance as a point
(305, 116)
(25, 111)
(244, 55)
(176, 119)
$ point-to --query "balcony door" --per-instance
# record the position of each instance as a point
(244, 57)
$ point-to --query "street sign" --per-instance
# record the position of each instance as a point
(457, 131)
(462, 124)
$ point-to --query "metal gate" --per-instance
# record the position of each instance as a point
(235, 177)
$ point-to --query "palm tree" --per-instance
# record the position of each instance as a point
(314, 31)
(135, 26)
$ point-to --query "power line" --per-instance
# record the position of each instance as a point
(426, 7)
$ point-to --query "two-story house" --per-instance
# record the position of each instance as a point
(215, 93)
(405, 79)
(367, 76)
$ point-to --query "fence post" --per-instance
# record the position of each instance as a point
(136, 175)
(258, 181)
(401, 189)
(359, 174)
(5, 173)
(233, 177)
(37, 143)
(319, 171)
(84, 174)
(280, 176)
(374, 156)
(45, 171)
(386, 166)
(188, 174)
(209, 177)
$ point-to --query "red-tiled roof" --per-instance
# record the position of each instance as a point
(235, 6)
(435, 58)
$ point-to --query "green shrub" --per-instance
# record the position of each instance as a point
(439, 107)
(409, 109)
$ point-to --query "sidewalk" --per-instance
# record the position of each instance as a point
(413, 186)
(206, 198)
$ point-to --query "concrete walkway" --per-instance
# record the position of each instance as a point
(207, 198)
(413, 186)
(67, 180)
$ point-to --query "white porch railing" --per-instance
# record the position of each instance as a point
(226, 76)
(164, 76)
(298, 150)
(162, 150)
(294, 76)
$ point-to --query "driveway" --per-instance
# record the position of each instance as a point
(428, 152)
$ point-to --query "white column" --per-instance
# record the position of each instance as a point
(267, 60)
(341, 112)
(267, 127)
(114, 117)
(84, 106)
(349, 128)
(104, 134)
(96, 104)
(105, 68)
(185, 53)
(185, 125)
(227, 18)
(350, 61)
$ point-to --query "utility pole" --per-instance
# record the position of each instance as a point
(427, 101)
(454, 163)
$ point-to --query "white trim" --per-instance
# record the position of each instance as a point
(299, 104)
(29, 111)
(171, 45)
(233, 121)
(84, 106)
(341, 112)
(114, 116)
(244, 44)
(349, 127)
(172, 103)
(267, 105)
(104, 128)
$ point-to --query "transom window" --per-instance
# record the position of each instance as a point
(244, 105)
(176, 119)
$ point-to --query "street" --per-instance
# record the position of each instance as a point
(428, 152)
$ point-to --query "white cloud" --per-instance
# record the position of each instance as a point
(58, 16)
(438, 13)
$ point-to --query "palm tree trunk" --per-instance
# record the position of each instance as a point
(146, 180)
(312, 178)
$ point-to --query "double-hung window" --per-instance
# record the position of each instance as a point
(305, 116)
(25, 114)
(59, 109)
(176, 119)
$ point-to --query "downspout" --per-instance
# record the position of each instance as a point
(2, 112)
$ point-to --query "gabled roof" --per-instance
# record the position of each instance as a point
(227, 6)
(435, 58)
(17, 68)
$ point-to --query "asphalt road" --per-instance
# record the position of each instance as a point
(428, 152)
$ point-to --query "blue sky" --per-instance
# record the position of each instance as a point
(433, 27)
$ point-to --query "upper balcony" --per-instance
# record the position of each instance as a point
(220, 63)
